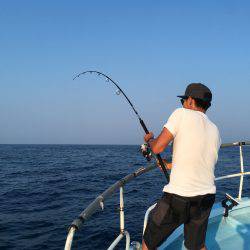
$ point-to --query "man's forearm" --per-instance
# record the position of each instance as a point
(155, 147)
(159, 144)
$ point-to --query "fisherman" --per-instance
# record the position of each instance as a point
(190, 194)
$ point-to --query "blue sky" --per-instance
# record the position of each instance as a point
(152, 48)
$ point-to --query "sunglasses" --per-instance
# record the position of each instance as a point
(183, 100)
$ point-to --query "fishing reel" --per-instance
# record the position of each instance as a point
(146, 151)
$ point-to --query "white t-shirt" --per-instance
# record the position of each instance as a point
(195, 153)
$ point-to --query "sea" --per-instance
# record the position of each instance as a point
(43, 188)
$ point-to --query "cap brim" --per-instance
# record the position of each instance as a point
(182, 96)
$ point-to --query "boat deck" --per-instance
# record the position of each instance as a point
(232, 232)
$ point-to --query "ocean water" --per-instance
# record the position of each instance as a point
(44, 188)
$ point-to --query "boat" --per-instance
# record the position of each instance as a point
(229, 221)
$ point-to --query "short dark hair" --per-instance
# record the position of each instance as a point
(202, 104)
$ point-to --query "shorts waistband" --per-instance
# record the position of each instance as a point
(194, 200)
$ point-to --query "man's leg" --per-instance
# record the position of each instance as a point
(144, 246)
(161, 223)
(195, 229)
(203, 248)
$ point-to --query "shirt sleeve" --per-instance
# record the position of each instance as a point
(174, 121)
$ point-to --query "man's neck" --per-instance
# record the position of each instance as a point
(197, 109)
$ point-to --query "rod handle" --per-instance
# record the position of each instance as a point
(158, 155)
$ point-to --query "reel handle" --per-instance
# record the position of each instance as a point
(158, 156)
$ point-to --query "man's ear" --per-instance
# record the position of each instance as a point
(190, 101)
(193, 103)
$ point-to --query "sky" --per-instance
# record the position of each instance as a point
(153, 49)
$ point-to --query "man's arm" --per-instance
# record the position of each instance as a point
(159, 144)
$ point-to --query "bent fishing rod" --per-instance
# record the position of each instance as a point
(118, 92)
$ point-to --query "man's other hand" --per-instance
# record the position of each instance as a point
(168, 165)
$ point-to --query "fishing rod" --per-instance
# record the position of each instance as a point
(118, 92)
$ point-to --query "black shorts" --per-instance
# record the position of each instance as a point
(173, 210)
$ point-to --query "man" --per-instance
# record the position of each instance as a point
(190, 194)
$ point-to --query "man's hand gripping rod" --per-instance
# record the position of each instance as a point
(107, 78)
(158, 156)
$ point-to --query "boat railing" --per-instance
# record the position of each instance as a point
(242, 172)
(98, 203)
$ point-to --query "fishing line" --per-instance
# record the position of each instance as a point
(118, 92)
